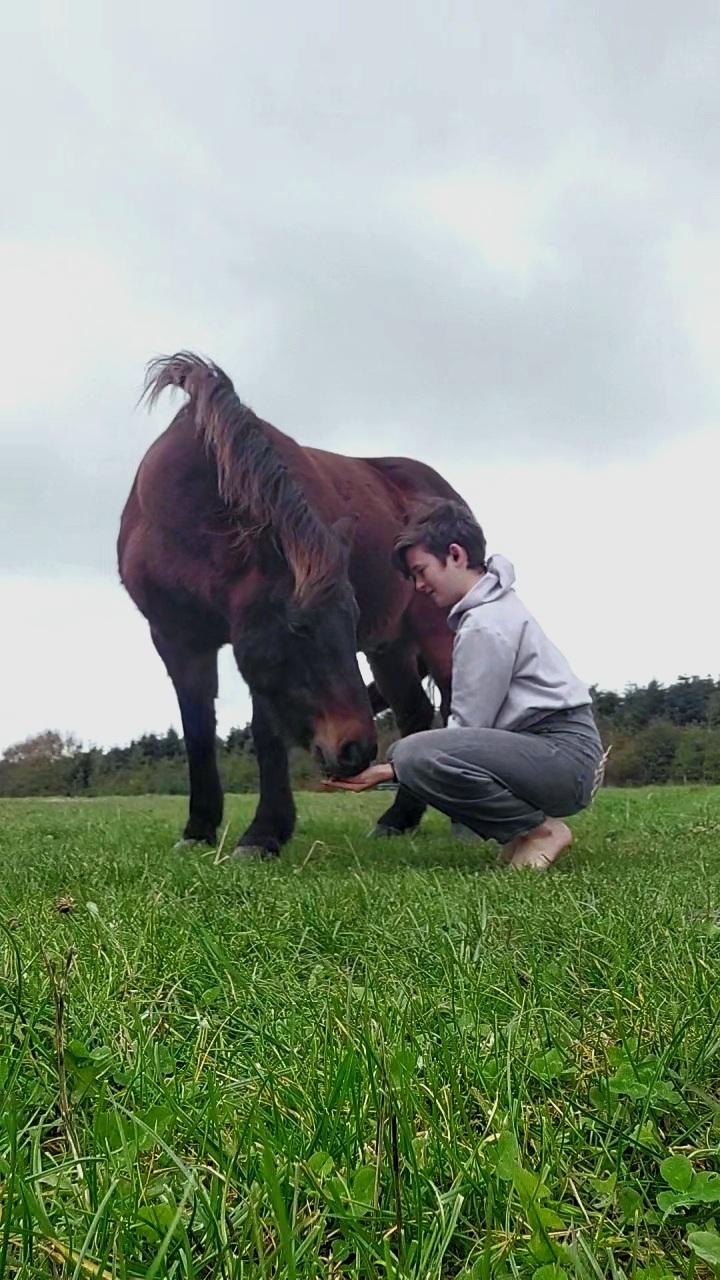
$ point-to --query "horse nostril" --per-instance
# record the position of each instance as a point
(352, 756)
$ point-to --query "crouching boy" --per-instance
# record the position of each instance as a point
(521, 750)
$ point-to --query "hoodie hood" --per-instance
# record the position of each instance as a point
(496, 581)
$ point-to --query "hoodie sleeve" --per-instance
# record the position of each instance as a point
(483, 663)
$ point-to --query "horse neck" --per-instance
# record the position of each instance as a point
(298, 462)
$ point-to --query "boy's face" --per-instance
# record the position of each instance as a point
(444, 583)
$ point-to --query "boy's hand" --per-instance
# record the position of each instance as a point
(371, 777)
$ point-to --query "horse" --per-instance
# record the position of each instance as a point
(235, 534)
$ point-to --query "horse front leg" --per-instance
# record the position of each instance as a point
(194, 676)
(274, 820)
(395, 669)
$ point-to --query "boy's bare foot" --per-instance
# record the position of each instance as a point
(508, 850)
(541, 847)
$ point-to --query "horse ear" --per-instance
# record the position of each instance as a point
(344, 530)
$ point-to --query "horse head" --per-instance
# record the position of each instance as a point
(297, 650)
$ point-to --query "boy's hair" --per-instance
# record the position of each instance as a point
(436, 526)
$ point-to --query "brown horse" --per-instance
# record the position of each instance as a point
(233, 533)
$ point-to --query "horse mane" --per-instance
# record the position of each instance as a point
(252, 479)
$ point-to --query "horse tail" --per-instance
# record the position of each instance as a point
(219, 414)
(253, 479)
(378, 701)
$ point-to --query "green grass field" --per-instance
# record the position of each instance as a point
(367, 1059)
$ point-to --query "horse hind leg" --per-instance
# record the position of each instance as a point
(193, 672)
(436, 658)
(397, 676)
(435, 661)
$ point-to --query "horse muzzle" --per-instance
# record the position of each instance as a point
(349, 758)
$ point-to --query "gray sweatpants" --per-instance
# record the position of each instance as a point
(502, 784)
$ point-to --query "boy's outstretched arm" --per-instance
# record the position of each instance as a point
(371, 777)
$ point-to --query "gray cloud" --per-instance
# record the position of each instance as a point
(260, 184)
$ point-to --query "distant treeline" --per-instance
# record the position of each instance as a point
(658, 733)
(662, 733)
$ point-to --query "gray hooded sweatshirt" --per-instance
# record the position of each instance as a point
(506, 673)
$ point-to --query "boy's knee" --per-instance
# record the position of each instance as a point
(411, 756)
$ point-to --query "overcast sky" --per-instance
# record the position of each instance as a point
(484, 235)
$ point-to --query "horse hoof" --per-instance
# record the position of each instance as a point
(383, 832)
(184, 846)
(253, 853)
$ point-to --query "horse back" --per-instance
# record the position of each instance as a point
(415, 480)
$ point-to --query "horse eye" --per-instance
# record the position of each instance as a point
(299, 623)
